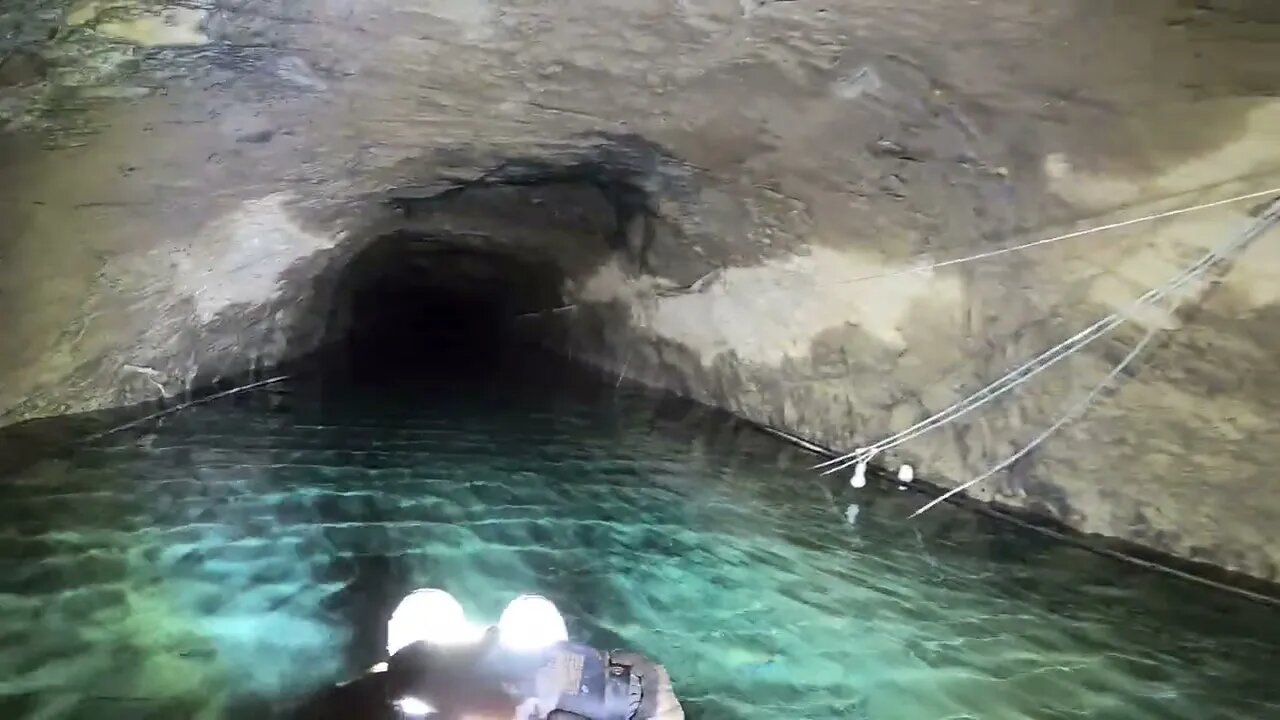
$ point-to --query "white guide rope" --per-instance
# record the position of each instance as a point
(1074, 411)
(862, 456)
(1066, 236)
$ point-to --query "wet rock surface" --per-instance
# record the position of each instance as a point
(184, 186)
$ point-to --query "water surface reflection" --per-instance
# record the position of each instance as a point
(242, 553)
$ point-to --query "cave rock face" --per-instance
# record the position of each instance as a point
(736, 199)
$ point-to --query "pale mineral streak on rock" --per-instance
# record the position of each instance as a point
(1135, 259)
(141, 23)
(474, 18)
(243, 256)
(769, 312)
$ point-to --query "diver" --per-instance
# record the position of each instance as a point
(442, 667)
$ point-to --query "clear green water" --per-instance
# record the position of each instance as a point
(243, 553)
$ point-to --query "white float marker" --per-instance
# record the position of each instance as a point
(859, 479)
(906, 474)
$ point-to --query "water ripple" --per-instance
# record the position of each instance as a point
(249, 551)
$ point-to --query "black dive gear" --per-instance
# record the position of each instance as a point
(578, 681)
(569, 681)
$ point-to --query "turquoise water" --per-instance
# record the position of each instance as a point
(241, 554)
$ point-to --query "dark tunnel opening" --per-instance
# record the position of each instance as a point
(455, 289)
(417, 304)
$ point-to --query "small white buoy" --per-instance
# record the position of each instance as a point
(859, 478)
(906, 474)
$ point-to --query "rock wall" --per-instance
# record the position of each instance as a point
(183, 185)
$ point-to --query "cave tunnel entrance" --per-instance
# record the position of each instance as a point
(444, 292)
(418, 303)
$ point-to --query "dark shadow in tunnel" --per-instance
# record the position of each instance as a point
(440, 293)
(436, 308)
